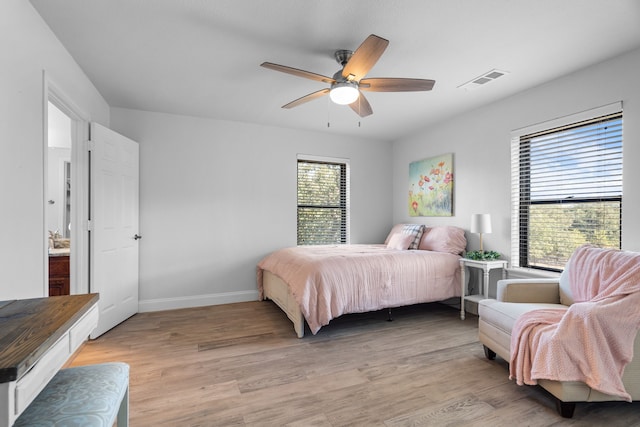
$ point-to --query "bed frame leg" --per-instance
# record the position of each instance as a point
(390, 319)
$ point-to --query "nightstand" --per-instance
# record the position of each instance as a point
(486, 267)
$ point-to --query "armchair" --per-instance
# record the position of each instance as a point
(515, 297)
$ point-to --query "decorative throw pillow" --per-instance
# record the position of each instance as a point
(415, 230)
(445, 238)
(400, 241)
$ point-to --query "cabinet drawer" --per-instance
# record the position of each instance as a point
(81, 330)
(59, 266)
(32, 383)
(59, 286)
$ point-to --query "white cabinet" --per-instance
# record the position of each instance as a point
(37, 338)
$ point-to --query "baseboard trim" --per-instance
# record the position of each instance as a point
(162, 304)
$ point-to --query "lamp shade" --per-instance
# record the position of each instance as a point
(344, 93)
(481, 223)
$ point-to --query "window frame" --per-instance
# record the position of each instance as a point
(345, 201)
(520, 212)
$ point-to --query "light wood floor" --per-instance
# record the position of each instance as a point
(242, 365)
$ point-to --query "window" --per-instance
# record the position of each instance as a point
(323, 201)
(566, 191)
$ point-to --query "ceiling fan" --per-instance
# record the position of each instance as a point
(348, 83)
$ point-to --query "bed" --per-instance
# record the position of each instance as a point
(416, 264)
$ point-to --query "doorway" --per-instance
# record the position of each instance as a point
(66, 185)
(58, 205)
(102, 193)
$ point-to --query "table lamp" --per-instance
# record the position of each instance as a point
(481, 223)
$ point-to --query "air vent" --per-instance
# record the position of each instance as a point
(482, 80)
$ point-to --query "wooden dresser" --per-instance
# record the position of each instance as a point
(37, 337)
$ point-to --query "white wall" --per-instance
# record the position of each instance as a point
(480, 141)
(216, 196)
(28, 47)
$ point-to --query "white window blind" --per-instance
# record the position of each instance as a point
(566, 191)
(323, 201)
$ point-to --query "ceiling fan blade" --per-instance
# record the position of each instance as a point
(384, 84)
(364, 58)
(297, 72)
(361, 106)
(307, 98)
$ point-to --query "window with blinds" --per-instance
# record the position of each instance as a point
(569, 190)
(323, 202)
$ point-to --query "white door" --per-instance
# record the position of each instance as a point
(114, 226)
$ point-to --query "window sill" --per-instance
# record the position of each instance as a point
(530, 273)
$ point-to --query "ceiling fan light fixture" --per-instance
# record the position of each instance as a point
(344, 93)
(347, 82)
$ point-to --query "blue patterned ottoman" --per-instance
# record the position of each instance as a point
(87, 396)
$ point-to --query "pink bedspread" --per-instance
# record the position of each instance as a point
(329, 281)
(592, 341)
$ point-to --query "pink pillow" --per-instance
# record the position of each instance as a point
(414, 230)
(400, 241)
(397, 229)
(445, 238)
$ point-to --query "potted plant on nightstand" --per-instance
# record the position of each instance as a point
(483, 255)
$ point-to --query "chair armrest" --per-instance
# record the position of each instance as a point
(529, 290)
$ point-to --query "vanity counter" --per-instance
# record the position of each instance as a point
(59, 252)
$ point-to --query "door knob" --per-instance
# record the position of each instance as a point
(137, 237)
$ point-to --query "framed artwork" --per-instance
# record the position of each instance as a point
(431, 186)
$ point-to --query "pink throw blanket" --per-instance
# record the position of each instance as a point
(591, 341)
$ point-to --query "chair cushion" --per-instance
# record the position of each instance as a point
(82, 396)
(503, 315)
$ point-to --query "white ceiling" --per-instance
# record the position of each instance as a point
(202, 57)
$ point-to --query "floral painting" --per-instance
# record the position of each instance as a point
(431, 186)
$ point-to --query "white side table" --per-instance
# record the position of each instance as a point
(486, 266)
